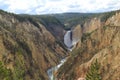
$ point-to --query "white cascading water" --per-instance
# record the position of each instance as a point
(67, 39)
(51, 71)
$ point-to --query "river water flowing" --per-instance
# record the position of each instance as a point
(69, 44)
(51, 71)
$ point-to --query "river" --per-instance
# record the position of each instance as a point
(51, 71)
(68, 42)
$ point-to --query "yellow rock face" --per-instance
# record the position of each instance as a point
(102, 44)
(27, 46)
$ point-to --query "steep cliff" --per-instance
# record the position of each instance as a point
(101, 43)
(91, 25)
(53, 25)
(27, 48)
(114, 20)
(76, 34)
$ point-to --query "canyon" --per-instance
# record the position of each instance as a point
(59, 46)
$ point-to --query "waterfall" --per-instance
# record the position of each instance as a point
(68, 39)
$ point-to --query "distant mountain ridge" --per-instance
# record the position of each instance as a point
(72, 19)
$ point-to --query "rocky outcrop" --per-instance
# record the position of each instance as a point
(114, 20)
(76, 34)
(27, 48)
(91, 25)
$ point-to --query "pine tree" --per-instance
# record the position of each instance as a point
(93, 73)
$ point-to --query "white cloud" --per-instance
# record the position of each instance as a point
(59, 6)
(23, 5)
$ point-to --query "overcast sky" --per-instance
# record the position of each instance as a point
(58, 6)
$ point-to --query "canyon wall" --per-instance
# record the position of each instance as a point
(27, 48)
(103, 44)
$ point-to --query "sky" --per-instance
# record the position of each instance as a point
(58, 6)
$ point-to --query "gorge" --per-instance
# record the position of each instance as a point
(59, 46)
